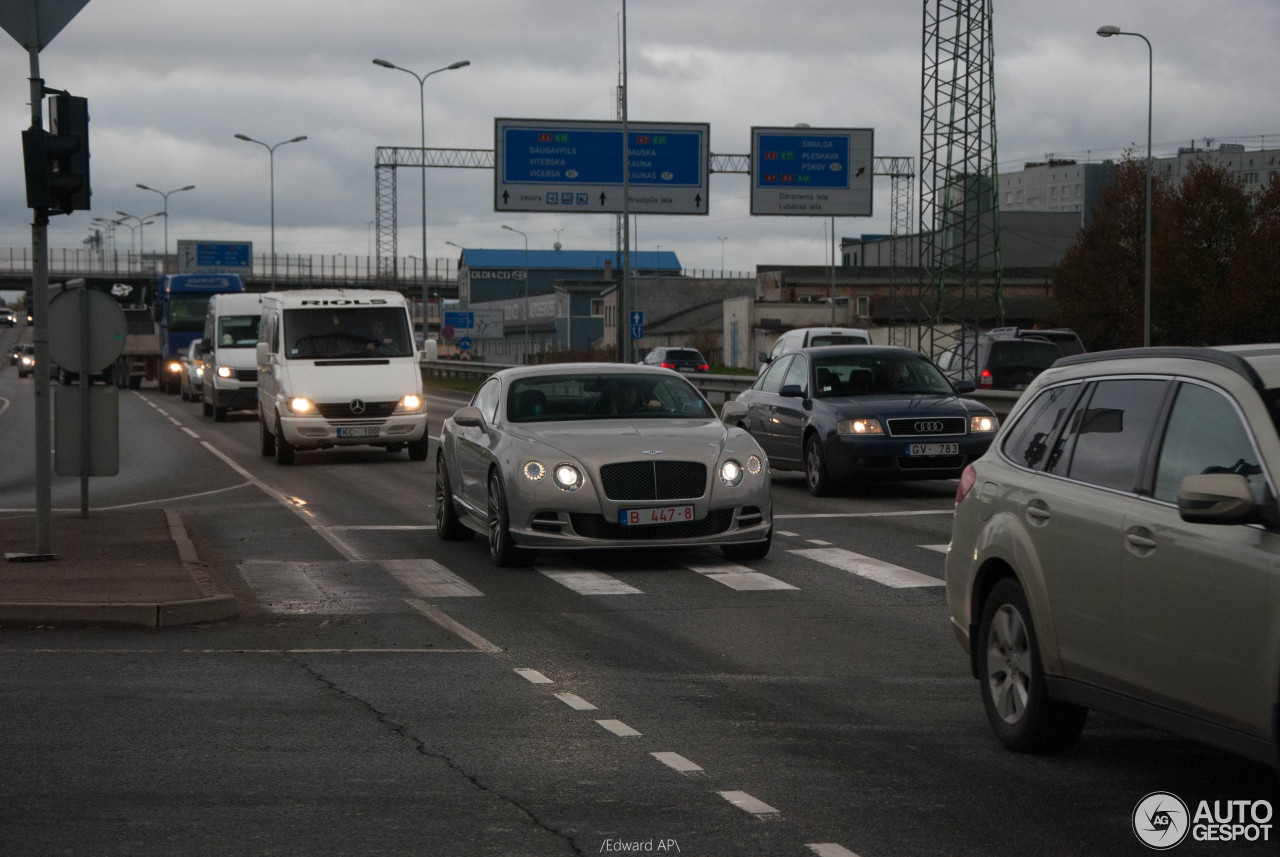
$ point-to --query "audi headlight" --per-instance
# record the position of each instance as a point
(567, 477)
(983, 424)
(534, 471)
(859, 427)
(731, 473)
(299, 405)
(410, 404)
(224, 372)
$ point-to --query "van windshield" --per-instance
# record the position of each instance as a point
(238, 331)
(347, 332)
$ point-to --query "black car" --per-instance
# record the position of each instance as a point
(679, 359)
(999, 360)
(863, 412)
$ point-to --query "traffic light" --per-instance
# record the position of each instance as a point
(57, 160)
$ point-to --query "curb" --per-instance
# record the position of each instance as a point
(162, 615)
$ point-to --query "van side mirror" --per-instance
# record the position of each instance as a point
(764, 358)
(430, 351)
(262, 352)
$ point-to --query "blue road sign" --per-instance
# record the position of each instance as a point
(812, 171)
(637, 317)
(464, 344)
(637, 331)
(551, 165)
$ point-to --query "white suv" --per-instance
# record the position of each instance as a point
(1118, 548)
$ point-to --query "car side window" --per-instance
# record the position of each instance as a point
(798, 374)
(771, 380)
(1036, 441)
(1205, 435)
(486, 399)
(1110, 430)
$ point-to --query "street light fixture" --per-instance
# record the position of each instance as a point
(165, 195)
(422, 118)
(142, 233)
(271, 150)
(1107, 32)
(526, 285)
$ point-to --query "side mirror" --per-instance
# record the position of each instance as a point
(1217, 498)
(263, 353)
(764, 358)
(204, 347)
(791, 391)
(469, 417)
(963, 387)
(733, 412)
(430, 351)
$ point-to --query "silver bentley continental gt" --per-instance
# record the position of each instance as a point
(596, 455)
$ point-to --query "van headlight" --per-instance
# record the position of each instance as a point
(299, 405)
(410, 404)
(224, 372)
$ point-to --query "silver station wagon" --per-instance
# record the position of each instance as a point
(592, 455)
(1118, 549)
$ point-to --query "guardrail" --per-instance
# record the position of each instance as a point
(717, 388)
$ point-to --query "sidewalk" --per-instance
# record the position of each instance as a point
(119, 567)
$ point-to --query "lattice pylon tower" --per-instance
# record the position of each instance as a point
(385, 219)
(960, 282)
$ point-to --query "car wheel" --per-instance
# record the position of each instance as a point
(448, 526)
(284, 450)
(265, 438)
(749, 550)
(502, 548)
(815, 468)
(1014, 694)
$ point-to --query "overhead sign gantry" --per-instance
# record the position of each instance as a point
(576, 167)
(811, 172)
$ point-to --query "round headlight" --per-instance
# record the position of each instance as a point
(568, 477)
(731, 473)
(533, 470)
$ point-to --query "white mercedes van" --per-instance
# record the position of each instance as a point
(811, 337)
(338, 367)
(229, 350)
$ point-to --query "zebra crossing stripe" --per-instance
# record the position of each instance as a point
(882, 572)
(735, 576)
(426, 578)
(586, 582)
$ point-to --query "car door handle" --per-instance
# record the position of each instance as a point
(1139, 541)
(1038, 513)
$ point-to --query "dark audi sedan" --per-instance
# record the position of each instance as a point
(844, 414)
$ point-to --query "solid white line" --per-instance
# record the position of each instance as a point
(575, 702)
(735, 576)
(435, 615)
(617, 727)
(747, 803)
(829, 849)
(589, 582)
(873, 569)
(677, 762)
(866, 514)
(324, 532)
(534, 676)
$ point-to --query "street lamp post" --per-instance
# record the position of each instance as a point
(165, 196)
(526, 285)
(142, 233)
(1107, 32)
(271, 151)
(722, 239)
(422, 120)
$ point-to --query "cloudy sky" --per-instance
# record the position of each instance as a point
(170, 83)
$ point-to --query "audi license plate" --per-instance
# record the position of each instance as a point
(659, 515)
(933, 449)
(358, 431)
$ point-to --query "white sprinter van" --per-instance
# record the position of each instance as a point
(229, 350)
(338, 367)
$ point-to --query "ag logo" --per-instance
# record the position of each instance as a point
(1161, 821)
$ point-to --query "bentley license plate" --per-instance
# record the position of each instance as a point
(933, 449)
(659, 515)
(358, 431)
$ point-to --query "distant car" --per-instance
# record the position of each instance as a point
(998, 360)
(590, 455)
(679, 359)
(849, 413)
(1116, 550)
(7, 317)
(191, 378)
(815, 337)
(25, 354)
(1067, 340)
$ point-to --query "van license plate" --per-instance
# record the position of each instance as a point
(659, 515)
(358, 431)
(933, 449)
